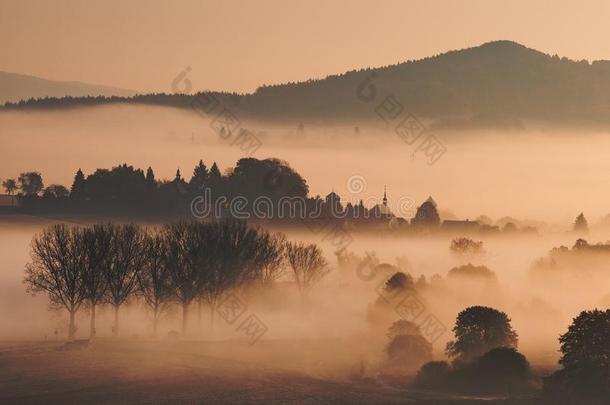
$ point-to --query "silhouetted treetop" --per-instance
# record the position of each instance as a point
(479, 329)
(580, 224)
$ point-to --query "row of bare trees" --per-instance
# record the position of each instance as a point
(177, 263)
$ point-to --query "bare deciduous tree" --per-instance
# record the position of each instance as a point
(270, 258)
(56, 268)
(95, 244)
(234, 251)
(127, 257)
(189, 260)
(154, 278)
(307, 263)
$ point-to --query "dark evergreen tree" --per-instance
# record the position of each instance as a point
(581, 225)
(77, 191)
(151, 183)
(200, 176)
(214, 172)
(216, 181)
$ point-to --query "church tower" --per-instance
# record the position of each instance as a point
(385, 197)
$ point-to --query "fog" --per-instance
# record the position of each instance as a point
(332, 328)
(539, 176)
(544, 175)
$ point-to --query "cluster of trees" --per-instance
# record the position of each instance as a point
(163, 99)
(128, 190)
(180, 263)
(125, 190)
(582, 258)
(30, 184)
(580, 246)
(466, 246)
(484, 357)
(472, 272)
(124, 185)
(585, 360)
(407, 348)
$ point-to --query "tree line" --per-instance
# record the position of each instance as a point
(485, 359)
(178, 263)
(124, 189)
(271, 189)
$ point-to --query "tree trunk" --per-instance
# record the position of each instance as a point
(72, 327)
(92, 326)
(156, 311)
(199, 314)
(185, 310)
(212, 310)
(115, 329)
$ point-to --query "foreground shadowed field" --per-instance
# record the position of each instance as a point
(180, 372)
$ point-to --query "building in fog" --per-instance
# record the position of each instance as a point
(467, 225)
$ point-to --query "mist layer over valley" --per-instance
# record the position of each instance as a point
(497, 174)
(544, 175)
(342, 202)
(536, 178)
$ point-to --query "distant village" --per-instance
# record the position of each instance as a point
(268, 190)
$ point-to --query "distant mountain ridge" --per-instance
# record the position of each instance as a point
(15, 87)
(499, 84)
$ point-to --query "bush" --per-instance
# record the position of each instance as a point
(399, 281)
(466, 245)
(433, 375)
(403, 327)
(472, 272)
(407, 349)
(502, 370)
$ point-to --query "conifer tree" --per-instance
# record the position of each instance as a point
(200, 176)
(151, 183)
(581, 225)
(78, 186)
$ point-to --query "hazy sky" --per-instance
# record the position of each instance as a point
(238, 45)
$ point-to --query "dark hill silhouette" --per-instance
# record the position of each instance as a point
(499, 84)
(15, 87)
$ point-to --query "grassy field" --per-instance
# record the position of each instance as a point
(181, 372)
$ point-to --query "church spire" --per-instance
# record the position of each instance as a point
(385, 197)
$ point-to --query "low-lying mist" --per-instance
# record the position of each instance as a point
(549, 176)
(537, 176)
(332, 332)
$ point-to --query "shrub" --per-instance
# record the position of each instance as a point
(466, 245)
